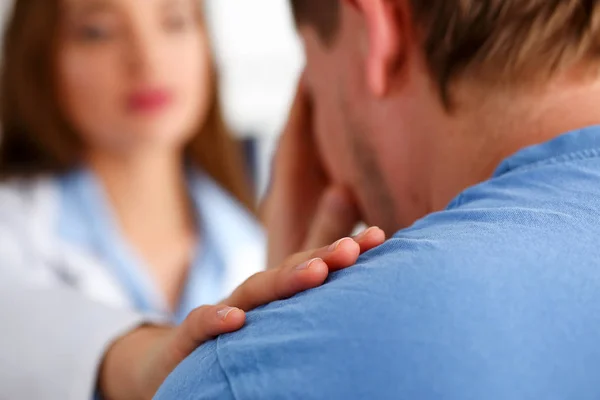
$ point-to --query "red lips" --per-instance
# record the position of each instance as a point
(149, 100)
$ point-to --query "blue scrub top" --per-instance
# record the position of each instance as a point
(497, 297)
(86, 221)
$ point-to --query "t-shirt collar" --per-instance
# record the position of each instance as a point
(575, 144)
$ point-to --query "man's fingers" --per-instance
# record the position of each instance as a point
(298, 183)
(301, 108)
(203, 324)
(296, 141)
(335, 218)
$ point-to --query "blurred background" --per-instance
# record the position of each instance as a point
(260, 58)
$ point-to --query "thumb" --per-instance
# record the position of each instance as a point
(335, 218)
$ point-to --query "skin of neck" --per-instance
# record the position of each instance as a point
(462, 147)
(147, 192)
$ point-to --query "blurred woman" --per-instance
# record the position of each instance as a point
(120, 181)
(120, 177)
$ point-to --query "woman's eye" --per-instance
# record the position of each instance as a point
(94, 33)
(176, 23)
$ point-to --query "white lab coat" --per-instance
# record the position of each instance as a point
(59, 307)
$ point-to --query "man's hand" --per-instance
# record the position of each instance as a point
(137, 364)
(303, 209)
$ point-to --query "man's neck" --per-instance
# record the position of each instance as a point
(494, 127)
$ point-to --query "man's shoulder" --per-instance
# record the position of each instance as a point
(466, 294)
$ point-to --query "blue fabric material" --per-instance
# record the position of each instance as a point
(87, 222)
(497, 297)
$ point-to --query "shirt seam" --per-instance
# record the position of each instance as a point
(572, 157)
(227, 377)
(580, 155)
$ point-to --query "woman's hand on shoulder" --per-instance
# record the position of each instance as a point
(137, 364)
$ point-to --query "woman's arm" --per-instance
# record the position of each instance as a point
(137, 364)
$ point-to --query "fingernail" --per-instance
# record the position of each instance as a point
(337, 244)
(224, 312)
(307, 264)
(364, 233)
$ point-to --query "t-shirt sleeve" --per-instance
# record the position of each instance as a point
(199, 377)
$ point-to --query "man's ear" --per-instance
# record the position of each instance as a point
(386, 44)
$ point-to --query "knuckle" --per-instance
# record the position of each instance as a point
(246, 291)
(293, 260)
(279, 283)
(246, 288)
(198, 317)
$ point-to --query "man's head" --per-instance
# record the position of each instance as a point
(414, 99)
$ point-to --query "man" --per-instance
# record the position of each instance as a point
(470, 126)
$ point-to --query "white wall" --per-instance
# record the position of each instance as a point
(260, 58)
(5, 6)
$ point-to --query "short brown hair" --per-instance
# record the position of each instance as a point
(36, 138)
(321, 15)
(498, 39)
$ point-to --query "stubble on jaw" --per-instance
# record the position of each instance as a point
(373, 193)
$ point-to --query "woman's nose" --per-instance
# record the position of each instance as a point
(142, 55)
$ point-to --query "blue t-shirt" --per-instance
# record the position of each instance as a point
(496, 297)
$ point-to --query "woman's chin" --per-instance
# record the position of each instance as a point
(165, 131)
